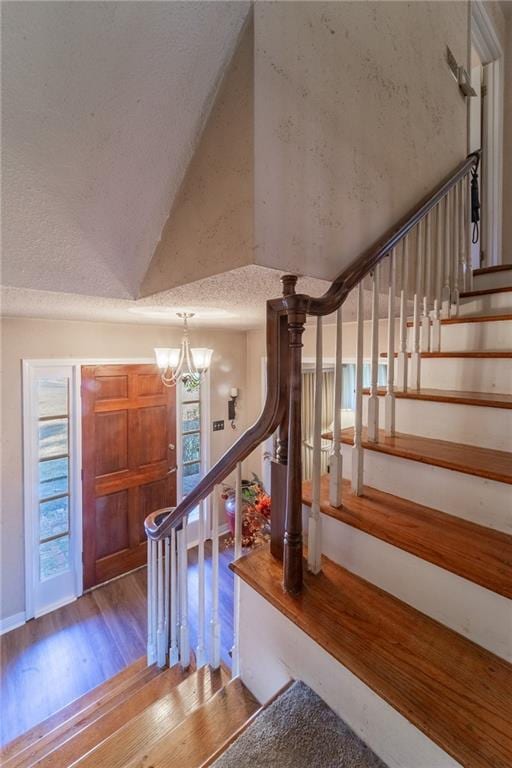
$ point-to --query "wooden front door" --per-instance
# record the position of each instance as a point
(128, 459)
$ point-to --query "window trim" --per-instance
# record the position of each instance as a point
(31, 372)
(204, 402)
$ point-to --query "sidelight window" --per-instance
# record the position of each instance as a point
(53, 541)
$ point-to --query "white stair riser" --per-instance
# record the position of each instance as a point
(468, 424)
(482, 501)
(467, 608)
(274, 650)
(467, 374)
(486, 304)
(492, 280)
(472, 337)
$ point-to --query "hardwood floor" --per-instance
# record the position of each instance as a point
(50, 661)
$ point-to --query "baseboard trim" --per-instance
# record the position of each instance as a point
(12, 622)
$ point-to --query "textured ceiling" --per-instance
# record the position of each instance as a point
(233, 299)
(103, 104)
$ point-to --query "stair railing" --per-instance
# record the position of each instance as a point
(418, 270)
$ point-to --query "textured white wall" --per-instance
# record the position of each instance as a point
(356, 117)
(102, 106)
(30, 338)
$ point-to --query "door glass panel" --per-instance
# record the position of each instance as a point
(53, 517)
(53, 438)
(191, 477)
(53, 477)
(191, 447)
(191, 420)
(54, 557)
(52, 397)
(190, 389)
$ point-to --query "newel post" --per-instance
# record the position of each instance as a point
(279, 461)
(293, 519)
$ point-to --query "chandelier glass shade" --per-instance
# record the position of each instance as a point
(175, 363)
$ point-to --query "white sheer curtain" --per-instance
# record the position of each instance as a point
(308, 409)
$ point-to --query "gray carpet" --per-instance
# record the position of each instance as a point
(298, 731)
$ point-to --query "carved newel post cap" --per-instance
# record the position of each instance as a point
(289, 282)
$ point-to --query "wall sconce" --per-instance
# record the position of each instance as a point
(233, 394)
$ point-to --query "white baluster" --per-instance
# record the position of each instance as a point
(373, 400)
(174, 656)
(425, 318)
(235, 651)
(402, 361)
(161, 644)
(358, 451)
(151, 647)
(463, 278)
(389, 400)
(167, 587)
(467, 230)
(414, 375)
(438, 290)
(455, 251)
(336, 456)
(314, 529)
(447, 269)
(214, 622)
(183, 578)
(201, 603)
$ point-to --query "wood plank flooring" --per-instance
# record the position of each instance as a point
(51, 661)
(457, 693)
(469, 459)
(472, 551)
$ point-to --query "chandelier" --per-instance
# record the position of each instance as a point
(185, 361)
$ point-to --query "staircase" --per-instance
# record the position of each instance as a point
(387, 585)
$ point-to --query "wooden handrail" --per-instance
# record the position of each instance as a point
(282, 316)
(159, 523)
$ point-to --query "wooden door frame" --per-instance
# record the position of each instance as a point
(28, 364)
(486, 42)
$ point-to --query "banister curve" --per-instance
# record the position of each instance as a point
(159, 523)
(252, 437)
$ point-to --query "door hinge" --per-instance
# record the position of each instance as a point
(483, 91)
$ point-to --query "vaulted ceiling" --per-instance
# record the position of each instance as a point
(103, 105)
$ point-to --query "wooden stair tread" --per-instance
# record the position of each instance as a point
(457, 693)
(93, 699)
(471, 319)
(203, 732)
(485, 291)
(469, 459)
(497, 354)
(64, 746)
(477, 553)
(490, 270)
(155, 721)
(456, 397)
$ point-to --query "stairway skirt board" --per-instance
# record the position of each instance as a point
(469, 609)
(468, 424)
(298, 730)
(476, 374)
(486, 304)
(274, 650)
(481, 501)
(486, 335)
